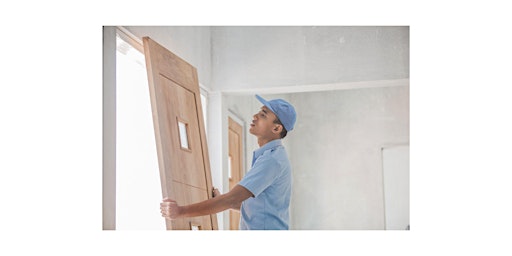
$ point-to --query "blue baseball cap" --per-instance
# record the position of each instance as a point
(283, 110)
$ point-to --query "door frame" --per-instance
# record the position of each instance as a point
(235, 120)
(241, 122)
(384, 199)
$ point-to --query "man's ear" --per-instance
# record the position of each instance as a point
(277, 129)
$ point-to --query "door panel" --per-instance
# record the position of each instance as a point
(235, 158)
(179, 132)
(186, 194)
(181, 109)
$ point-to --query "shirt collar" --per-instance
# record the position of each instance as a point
(270, 145)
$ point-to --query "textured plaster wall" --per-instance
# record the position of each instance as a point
(235, 58)
(264, 57)
(336, 155)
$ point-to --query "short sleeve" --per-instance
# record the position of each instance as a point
(261, 176)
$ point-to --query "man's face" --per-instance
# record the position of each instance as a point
(263, 123)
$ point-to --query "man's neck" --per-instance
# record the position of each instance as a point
(263, 141)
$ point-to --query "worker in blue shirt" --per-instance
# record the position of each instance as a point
(263, 194)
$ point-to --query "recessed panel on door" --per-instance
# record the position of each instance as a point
(179, 133)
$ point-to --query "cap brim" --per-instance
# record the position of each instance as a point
(264, 102)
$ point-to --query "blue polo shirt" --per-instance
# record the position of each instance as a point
(269, 180)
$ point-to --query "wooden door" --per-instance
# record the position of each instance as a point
(179, 131)
(235, 166)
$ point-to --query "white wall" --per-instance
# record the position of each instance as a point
(216, 139)
(336, 155)
(269, 57)
(231, 58)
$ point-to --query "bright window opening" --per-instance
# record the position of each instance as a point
(229, 166)
(138, 189)
(183, 135)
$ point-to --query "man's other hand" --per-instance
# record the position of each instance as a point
(169, 209)
(215, 192)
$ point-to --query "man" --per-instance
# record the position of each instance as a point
(263, 195)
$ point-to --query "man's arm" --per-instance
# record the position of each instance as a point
(216, 193)
(231, 200)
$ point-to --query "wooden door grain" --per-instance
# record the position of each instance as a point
(235, 156)
(179, 132)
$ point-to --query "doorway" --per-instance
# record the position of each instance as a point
(137, 180)
(235, 163)
(395, 162)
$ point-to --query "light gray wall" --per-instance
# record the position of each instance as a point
(263, 57)
(336, 155)
(233, 58)
(191, 43)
